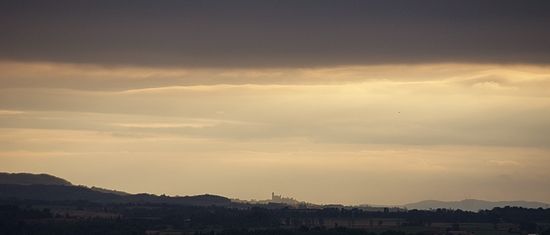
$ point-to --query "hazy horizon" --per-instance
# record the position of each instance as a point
(348, 102)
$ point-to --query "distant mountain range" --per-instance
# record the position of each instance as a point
(472, 204)
(43, 187)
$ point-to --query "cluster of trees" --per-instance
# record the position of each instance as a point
(30, 217)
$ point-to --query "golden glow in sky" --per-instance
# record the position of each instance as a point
(348, 134)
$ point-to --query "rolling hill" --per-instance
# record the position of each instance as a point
(42, 187)
(30, 179)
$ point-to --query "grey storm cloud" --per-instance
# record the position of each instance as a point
(275, 33)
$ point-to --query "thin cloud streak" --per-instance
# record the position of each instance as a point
(132, 79)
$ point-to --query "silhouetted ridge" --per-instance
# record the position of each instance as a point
(202, 200)
(28, 179)
(104, 190)
(54, 193)
(81, 193)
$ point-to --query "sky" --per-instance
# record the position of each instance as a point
(350, 102)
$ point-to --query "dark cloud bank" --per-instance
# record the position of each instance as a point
(275, 33)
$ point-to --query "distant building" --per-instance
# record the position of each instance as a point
(285, 200)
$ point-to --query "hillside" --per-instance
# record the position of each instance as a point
(104, 190)
(81, 193)
(472, 204)
(29, 179)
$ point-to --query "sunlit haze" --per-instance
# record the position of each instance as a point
(320, 104)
